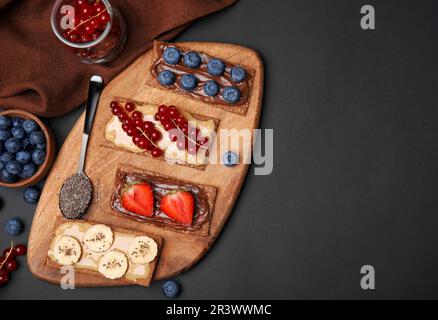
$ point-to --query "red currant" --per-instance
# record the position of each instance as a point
(9, 254)
(131, 131)
(156, 152)
(117, 110)
(173, 136)
(137, 115)
(88, 29)
(123, 116)
(11, 265)
(173, 112)
(20, 250)
(138, 123)
(104, 18)
(130, 107)
(4, 278)
(143, 143)
(168, 126)
(157, 117)
(86, 10)
(98, 7)
(114, 104)
(162, 110)
(72, 37)
(155, 135)
(147, 126)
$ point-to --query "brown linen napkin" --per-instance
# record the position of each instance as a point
(38, 74)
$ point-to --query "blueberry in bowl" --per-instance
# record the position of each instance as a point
(27, 149)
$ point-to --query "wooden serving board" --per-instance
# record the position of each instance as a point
(180, 251)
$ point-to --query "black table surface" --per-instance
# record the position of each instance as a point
(355, 175)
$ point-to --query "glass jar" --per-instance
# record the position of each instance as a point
(94, 30)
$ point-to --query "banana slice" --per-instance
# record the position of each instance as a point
(113, 265)
(67, 251)
(142, 250)
(99, 238)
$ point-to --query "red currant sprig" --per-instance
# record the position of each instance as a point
(187, 137)
(8, 263)
(144, 134)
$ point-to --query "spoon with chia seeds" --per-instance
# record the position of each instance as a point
(77, 190)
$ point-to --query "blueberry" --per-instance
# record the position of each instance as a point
(230, 159)
(188, 82)
(30, 126)
(5, 122)
(215, 67)
(38, 157)
(41, 146)
(2, 166)
(231, 94)
(14, 167)
(211, 88)
(18, 132)
(192, 60)
(238, 74)
(14, 226)
(23, 156)
(17, 122)
(27, 145)
(31, 195)
(28, 171)
(166, 78)
(172, 55)
(13, 145)
(171, 289)
(6, 157)
(37, 137)
(6, 177)
(5, 134)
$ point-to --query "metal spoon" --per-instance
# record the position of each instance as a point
(77, 190)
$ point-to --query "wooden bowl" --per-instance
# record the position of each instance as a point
(43, 170)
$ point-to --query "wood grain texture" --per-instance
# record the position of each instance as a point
(180, 251)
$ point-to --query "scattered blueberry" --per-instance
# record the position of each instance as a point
(6, 156)
(13, 145)
(230, 159)
(215, 67)
(188, 82)
(231, 94)
(166, 78)
(172, 55)
(211, 88)
(18, 132)
(5, 122)
(17, 122)
(14, 226)
(171, 289)
(41, 146)
(238, 74)
(31, 195)
(14, 167)
(28, 171)
(6, 177)
(37, 137)
(30, 126)
(23, 156)
(4, 134)
(38, 156)
(192, 60)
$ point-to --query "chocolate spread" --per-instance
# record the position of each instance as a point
(203, 76)
(160, 188)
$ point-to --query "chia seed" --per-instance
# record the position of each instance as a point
(75, 196)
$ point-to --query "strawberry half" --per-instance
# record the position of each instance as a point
(138, 198)
(179, 206)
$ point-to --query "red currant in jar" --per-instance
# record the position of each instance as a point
(98, 7)
(85, 10)
(104, 18)
(156, 152)
(20, 250)
(73, 37)
(137, 115)
(130, 107)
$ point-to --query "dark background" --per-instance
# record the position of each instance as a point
(355, 178)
